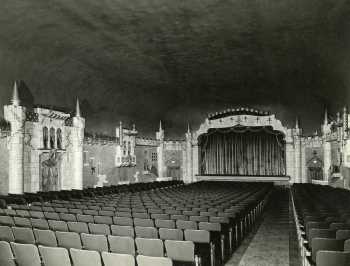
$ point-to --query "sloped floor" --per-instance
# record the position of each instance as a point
(269, 244)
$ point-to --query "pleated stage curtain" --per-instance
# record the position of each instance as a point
(255, 151)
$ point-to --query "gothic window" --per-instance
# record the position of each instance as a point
(129, 148)
(124, 148)
(154, 156)
(59, 138)
(315, 167)
(52, 138)
(45, 137)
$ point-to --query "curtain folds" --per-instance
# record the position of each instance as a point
(256, 151)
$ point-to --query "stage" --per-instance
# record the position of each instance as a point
(281, 180)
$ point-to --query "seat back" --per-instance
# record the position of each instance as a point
(99, 229)
(146, 232)
(58, 225)
(143, 222)
(123, 221)
(180, 250)
(342, 234)
(37, 214)
(52, 216)
(122, 230)
(94, 242)
(85, 218)
(45, 237)
(165, 223)
(85, 257)
(113, 259)
(321, 233)
(40, 223)
(325, 244)
(68, 240)
(153, 261)
(6, 234)
(121, 244)
(197, 236)
(22, 222)
(23, 235)
(78, 227)
(6, 256)
(336, 258)
(26, 254)
(68, 217)
(54, 256)
(180, 224)
(6, 220)
(150, 247)
(171, 234)
(103, 219)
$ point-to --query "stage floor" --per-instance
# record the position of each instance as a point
(282, 179)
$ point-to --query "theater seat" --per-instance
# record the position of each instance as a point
(6, 234)
(85, 257)
(114, 259)
(54, 256)
(171, 234)
(150, 247)
(68, 240)
(6, 256)
(122, 230)
(153, 261)
(181, 251)
(94, 242)
(121, 244)
(26, 254)
(23, 235)
(332, 258)
(45, 238)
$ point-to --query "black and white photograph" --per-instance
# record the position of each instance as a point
(174, 133)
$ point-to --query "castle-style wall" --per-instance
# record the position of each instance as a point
(4, 164)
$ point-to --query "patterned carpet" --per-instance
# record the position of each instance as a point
(272, 243)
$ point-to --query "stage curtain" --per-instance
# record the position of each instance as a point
(252, 151)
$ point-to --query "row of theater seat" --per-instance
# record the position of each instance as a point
(86, 192)
(229, 212)
(114, 244)
(15, 254)
(322, 216)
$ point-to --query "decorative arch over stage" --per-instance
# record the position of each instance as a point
(241, 142)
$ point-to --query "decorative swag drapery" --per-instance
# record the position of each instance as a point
(256, 151)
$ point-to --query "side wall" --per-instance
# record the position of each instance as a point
(4, 166)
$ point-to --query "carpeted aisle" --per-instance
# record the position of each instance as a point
(269, 246)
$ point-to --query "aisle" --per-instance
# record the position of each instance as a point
(269, 246)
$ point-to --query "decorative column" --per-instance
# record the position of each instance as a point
(303, 163)
(77, 149)
(16, 115)
(195, 160)
(189, 174)
(160, 150)
(297, 152)
(326, 159)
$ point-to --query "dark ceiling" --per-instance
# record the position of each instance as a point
(144, 60)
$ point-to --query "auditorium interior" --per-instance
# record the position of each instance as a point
(174, 133)
(242, 189)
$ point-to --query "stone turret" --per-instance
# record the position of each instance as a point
(189, 160)
(77, 145)
(16, 115)
(160, 150)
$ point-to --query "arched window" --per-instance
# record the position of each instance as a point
(129, 148)
(59, 138)
(124, 147)
(45, 137)
(52, 138)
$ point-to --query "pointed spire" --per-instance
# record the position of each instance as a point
(15, 98)
(77, 109)
(160, 126)
(297, 122)
(188, 128)
(325, 121)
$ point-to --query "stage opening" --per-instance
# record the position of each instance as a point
(242, 151)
